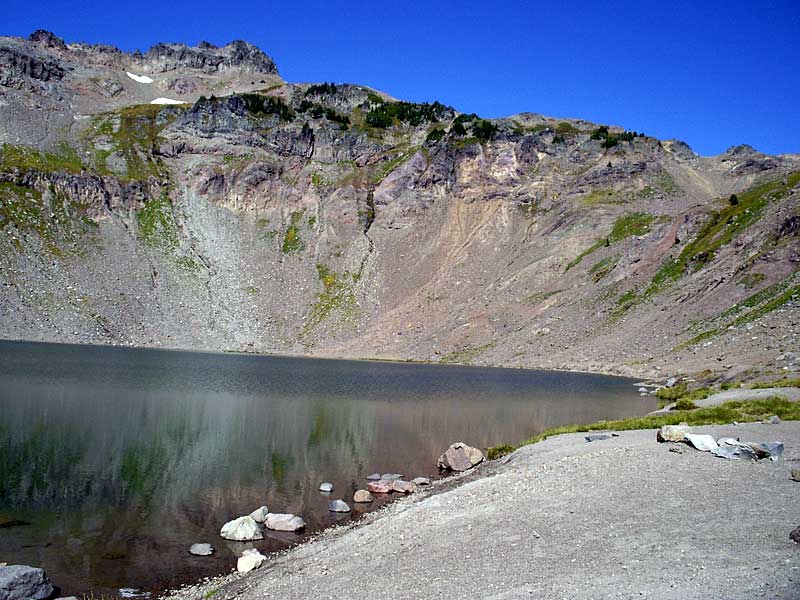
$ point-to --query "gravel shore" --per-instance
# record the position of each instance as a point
(564, 518)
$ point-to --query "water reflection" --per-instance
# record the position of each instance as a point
(120, 459)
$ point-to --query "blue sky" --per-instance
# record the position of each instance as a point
(711, 73)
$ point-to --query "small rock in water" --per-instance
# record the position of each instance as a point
(672, 433)
(260, 514)
(362, 496)
(596, 437)
(403, 487)
(249, 560)
(20, 582)
(243, 529)
(391, 476)
(201, 549)
(460, 457)
(702, 442)
(379, 487)
(284, 522)
(421, 481)
(326, 487)
(338, 506)
(374, 477)
(795, 535)
(133, 593)
(795, 474)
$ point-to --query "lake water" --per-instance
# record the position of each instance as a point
(113, 461)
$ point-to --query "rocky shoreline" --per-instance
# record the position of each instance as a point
(621, 517)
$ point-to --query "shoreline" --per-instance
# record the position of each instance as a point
(627, 506)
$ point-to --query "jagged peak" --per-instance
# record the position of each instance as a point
(48, 39)
(208, 57)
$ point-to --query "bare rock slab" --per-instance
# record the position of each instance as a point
(362, 497)
(243, 529)
(284, 522)
(20, 582)
(701, 441)
(460, 457)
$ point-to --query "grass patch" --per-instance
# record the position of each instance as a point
(26, 158)
(741, 411)
(540, 297)
(466, 355)
(752, 280)
(785, 382)
(291, 239)
(390, 165)
(721, 228)
(338, 294)
(623, 228)
(156, 222)
(596, 197)
(603, 267)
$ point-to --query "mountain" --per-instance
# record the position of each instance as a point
(188, 197)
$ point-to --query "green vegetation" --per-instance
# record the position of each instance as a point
(721, 228)
(498, 451)
(387, 114)
(390, 165)
(291, 239)
(603, 267)
(321, 89)
(316, 111)
(740, 411)
(540, 297)
(484, 130)
(26, 158)
(751, 280)
(156, 222)
(600, 197)
(564, 128)
(612, 139)
(435, 135)
(624, 227)
(466, 355)
(251, 290)
(785, 382)
(338, 294)
(55, 219)
(258, 104)
(131, 133)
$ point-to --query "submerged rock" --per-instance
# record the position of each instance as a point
(20, 582)
(338, 506)
(403, 487)
(460, 457)
(326, 487)
(201, 549)
(260, 514)
(284, 522)
(243, 529)
(362, 497)
(672, 433)
(374, 477)
(379, 487)
(249, 560)
(391, 476)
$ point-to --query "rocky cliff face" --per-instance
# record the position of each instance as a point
(258, 215)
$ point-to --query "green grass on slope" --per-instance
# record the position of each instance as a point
(624, 227)
(741, 411)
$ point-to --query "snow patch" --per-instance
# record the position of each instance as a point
(167, 101)
(139, 78)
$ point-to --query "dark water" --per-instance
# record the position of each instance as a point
(119, 459)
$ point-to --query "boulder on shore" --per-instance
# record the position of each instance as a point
(249, 560)
(243, 529)
(673, 433)
(421, 481)
(362, 497)
(20, 582)
(284, 522)
(460, 457)
(403, 487)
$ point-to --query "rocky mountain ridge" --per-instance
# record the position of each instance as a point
(189, 197)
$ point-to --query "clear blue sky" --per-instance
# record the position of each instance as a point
(712, 73)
